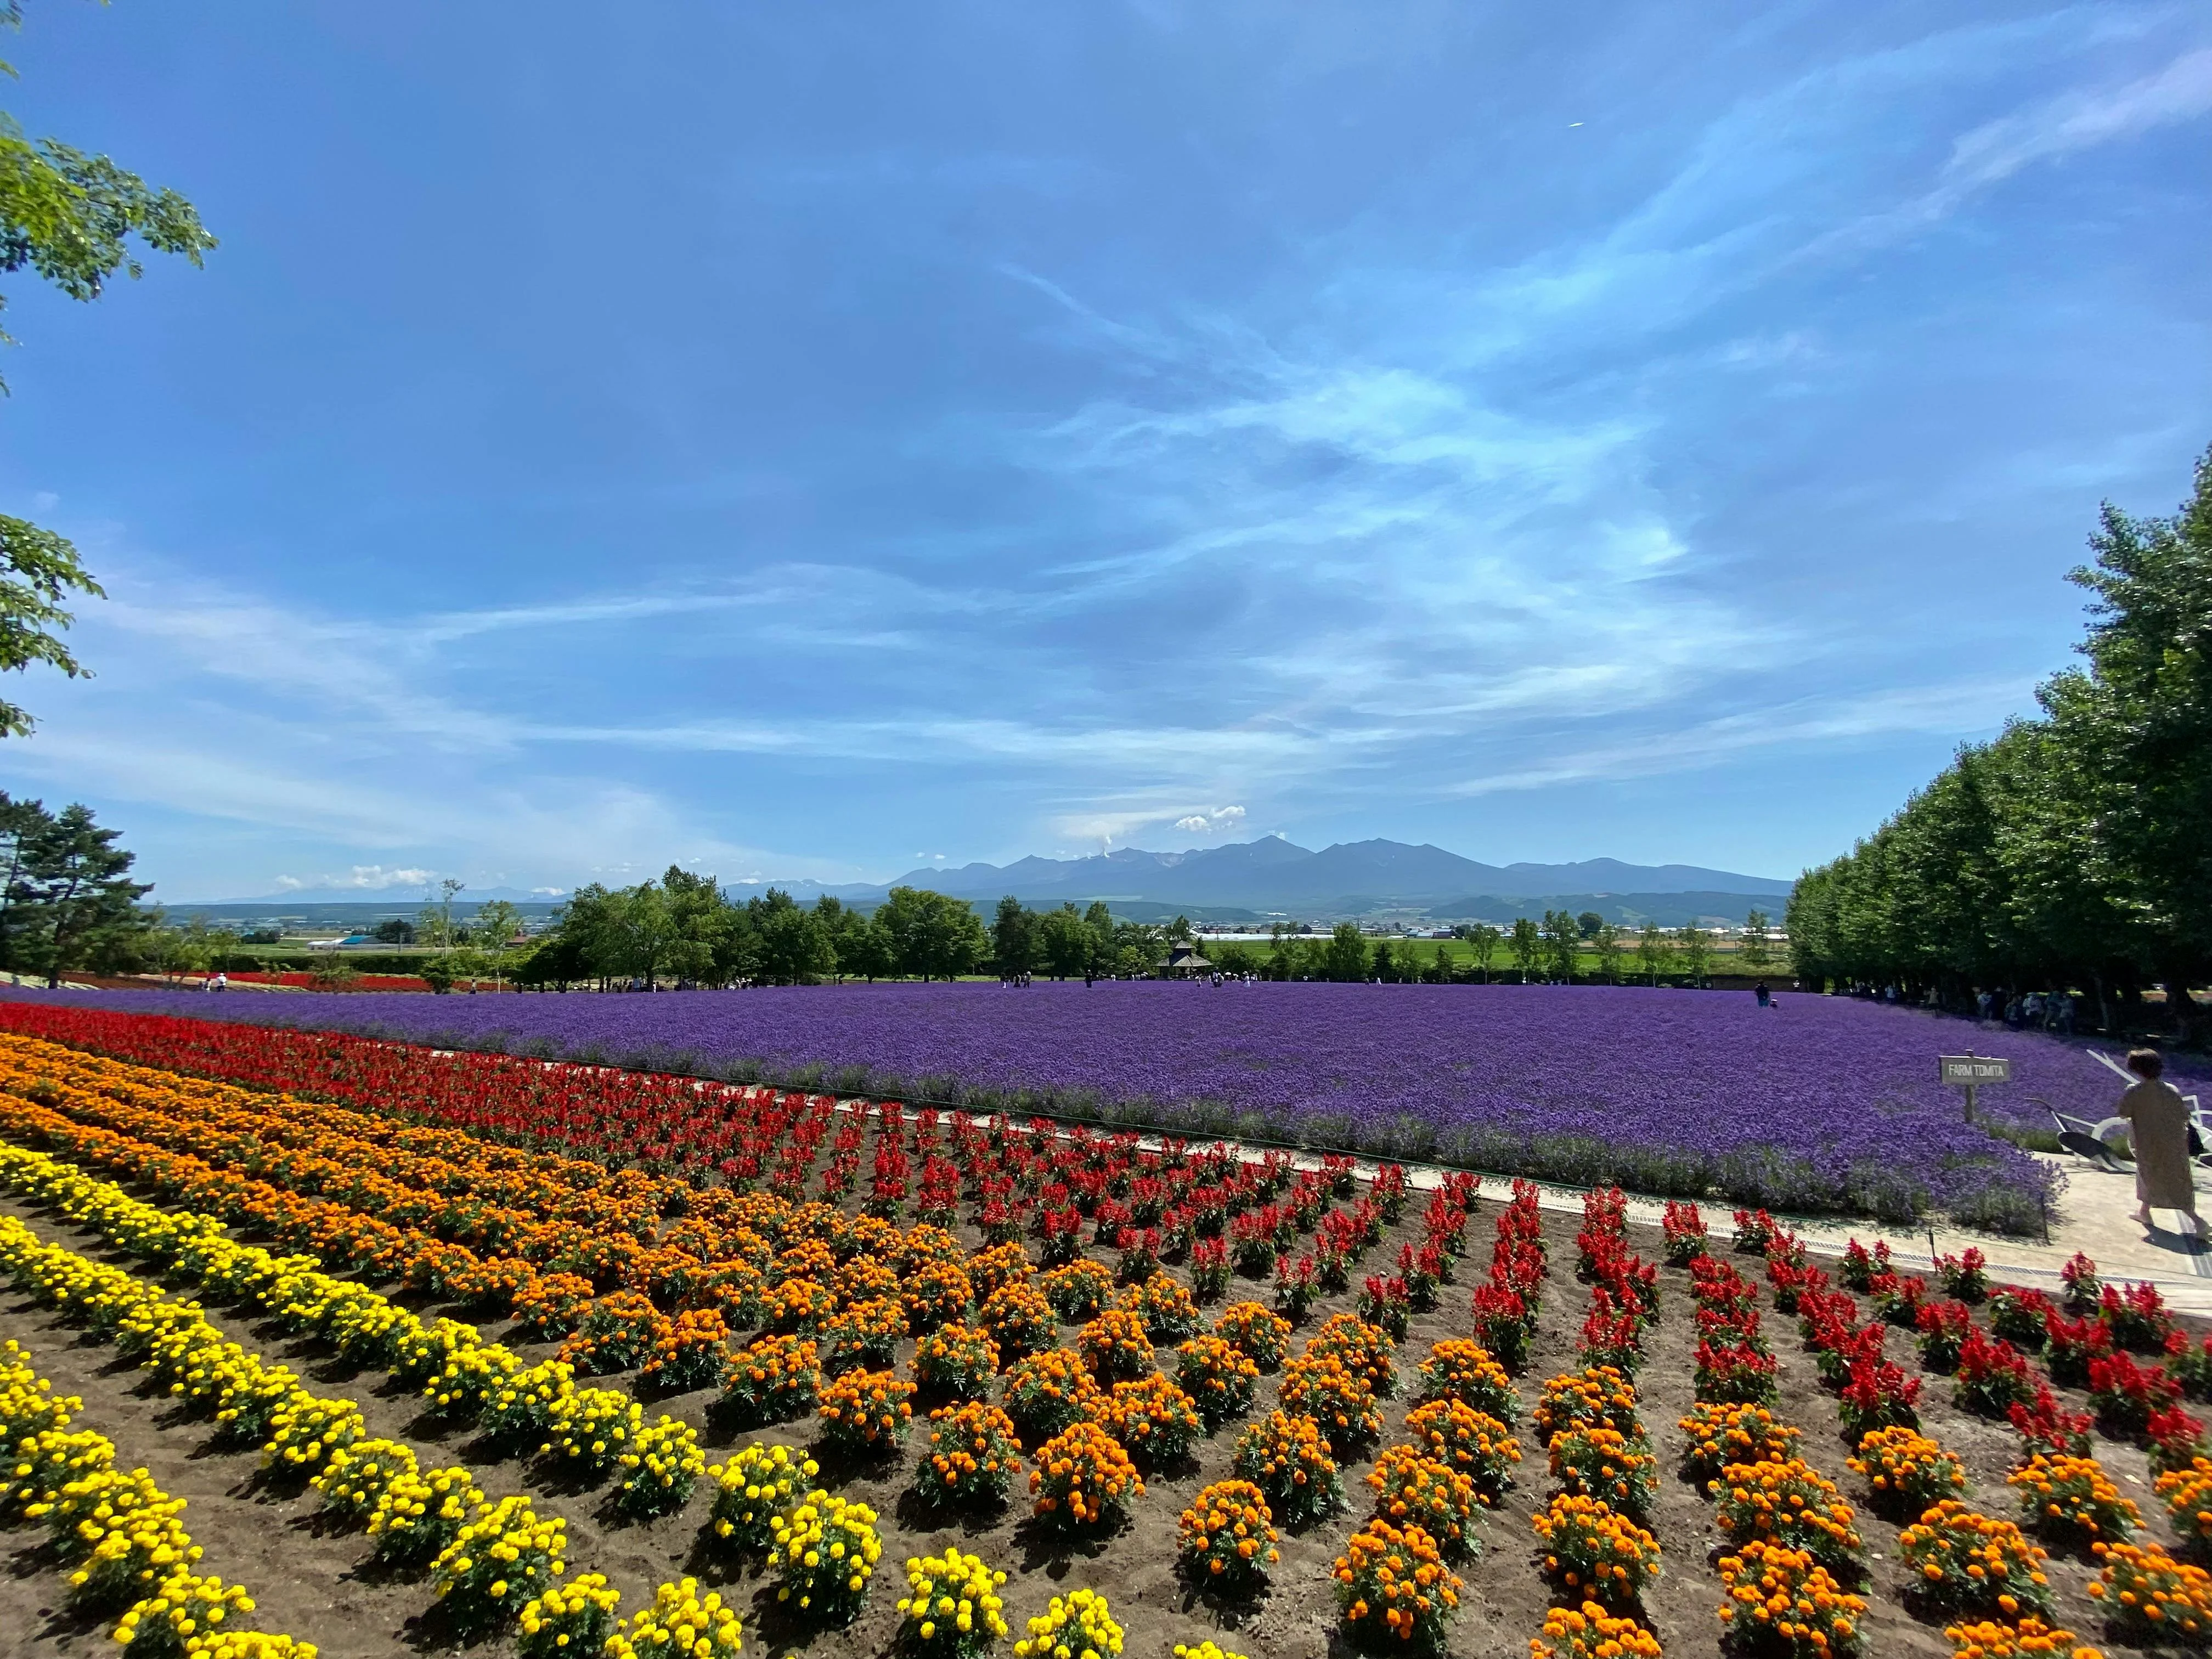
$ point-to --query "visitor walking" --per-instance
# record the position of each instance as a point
(1765, 997)
(2158, 1127)
(2062, 1014)
(221, 981)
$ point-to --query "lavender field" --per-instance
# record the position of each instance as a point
(1818, 1103)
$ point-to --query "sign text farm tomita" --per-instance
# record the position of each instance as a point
(1827, 1104)
(1968, 1070)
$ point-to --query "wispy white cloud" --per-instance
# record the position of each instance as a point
(361, 877)
(2080, 118)
(1388, 514)
(1952, 708)
(1219, 822)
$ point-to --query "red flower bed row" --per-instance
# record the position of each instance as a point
(358, 982)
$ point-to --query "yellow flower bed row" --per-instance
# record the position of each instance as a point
(456, 1370)
(124, 1538)
(493, 1561)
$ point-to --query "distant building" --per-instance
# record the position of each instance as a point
(1182, 961)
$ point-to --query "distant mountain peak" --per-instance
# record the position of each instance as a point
(1273, 874)
(1268, 875)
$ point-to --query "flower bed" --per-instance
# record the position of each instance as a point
(1674, 1094)
(699, 1261)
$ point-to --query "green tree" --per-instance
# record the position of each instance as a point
(705, 929)
(393, 930)
(1064, 942)
(493, 932)
(1099, 920)
(1527, 940)
(37, 570)
(1136, 948)
(1756, 951)
(867, 951)
(932, 936)
(1013, 936)
(1696, 947)
(434, 921)
(77, 893)
(552, 959)
(1654, 954)
(332, 972)
(1606, 942)
(795, 943)
(2073, 850)
(2143, 713)
(1236, 959)
(1588, 923)
(175, 952)
(1483, 941)
(587, 925)
(1346, 958)
(843, 926)
(71, 219)
(1563, 941)
(1382, 964)
(22, 823)
(634, 932)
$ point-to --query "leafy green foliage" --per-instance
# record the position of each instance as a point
(2076, 848)
(38, 569)
(67, 899)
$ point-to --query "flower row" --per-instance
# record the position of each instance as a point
(1983, 1573)
(122, 1539)
(591, 1432)
(1598, 1553)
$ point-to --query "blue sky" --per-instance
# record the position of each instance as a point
(811, 440)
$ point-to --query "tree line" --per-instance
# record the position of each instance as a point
(684, 930)
(1555, 949)
(2074, 852)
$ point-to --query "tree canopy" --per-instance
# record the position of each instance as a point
(684, 928)
(2076, 848)
(68, 900)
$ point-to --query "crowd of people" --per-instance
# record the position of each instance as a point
(2027, 1009)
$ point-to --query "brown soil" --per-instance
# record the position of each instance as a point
(317, 1585)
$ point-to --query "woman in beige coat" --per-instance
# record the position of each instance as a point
(2158, 1126)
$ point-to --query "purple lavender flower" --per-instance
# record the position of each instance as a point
(1820, 1104)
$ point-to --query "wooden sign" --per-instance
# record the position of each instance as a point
(1969, 1072)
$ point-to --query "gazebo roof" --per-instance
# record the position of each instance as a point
(1182, 956)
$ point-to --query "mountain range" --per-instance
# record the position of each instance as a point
(1269, 876)
(1349, 878)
